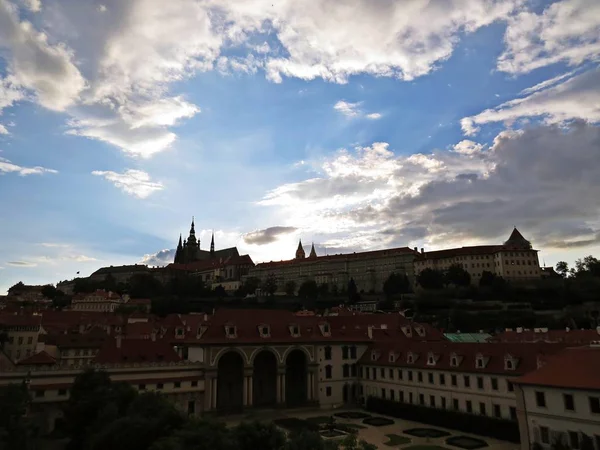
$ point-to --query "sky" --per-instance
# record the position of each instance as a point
(352, 124)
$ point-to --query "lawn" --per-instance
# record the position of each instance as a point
(395, 440)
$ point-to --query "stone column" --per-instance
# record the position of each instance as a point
(283, 388)
(309, 385)
(214, 393)
(250, 389)
(278, 388)
(245, 390)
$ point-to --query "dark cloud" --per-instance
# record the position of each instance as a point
(161, 258)
(266, 236)
(21, 264)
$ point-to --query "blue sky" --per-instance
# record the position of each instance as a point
(351, 124)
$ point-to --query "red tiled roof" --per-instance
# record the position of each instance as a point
(139, 301)
(569, 337)
(575, 368)
(95, 339)
(136, 351)
(462, 251)
(343, 256)
(526, 356)
(41, 358)
(20, 320)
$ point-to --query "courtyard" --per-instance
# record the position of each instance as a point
(383, 431)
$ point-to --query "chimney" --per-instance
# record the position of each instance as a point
(416, 249)
(118, 338)
(422, 250)
(370, 332)
(153, 335)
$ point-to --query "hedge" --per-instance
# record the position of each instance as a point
(502, 429)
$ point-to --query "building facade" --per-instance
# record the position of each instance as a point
(514, 260)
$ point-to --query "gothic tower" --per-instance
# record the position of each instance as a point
(300, 251)
(313, 253)
(212, 245)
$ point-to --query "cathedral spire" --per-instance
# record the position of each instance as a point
(212, 244)
(313, 253)
(192, 229)
(300, 251)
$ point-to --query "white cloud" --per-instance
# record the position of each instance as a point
(9, 93)
(566, 30)
(545, 180)
(133, 182)
(547, 83)
(35, 64)
(3, 129)
(347, 109)
(576, 98)
(21, 264)
(8, 167)
(399, 39)
(374, 116)
(33, 5)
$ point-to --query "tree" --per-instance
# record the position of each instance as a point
(198, 434)
(487, 278)
(219, 292)
(259, 435)
(430, 279)
(290, 288)
(308, 290)
(396, 284)
(305, 440)
(16, 431)
(251, 285)
(142, 285)
(562, 268)
(323, 290)
(270, 284)
(352, 291)
(16, 288)
(457, 276)
(588, 266)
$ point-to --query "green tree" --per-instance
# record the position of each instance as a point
(142, 285)
(16, 431)
(457, 276)
(396, 284)
(290, 288)
(430, 279)
(305, 440)
(251, 285)
(259, 435)
(198, 434)
(219, 292)
(562, 268)
(270, 284)
(588, 266)
(308, 290)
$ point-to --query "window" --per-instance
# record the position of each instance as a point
(326, 328)
(479, 382)
(374, 373)
(540, 399)
(295, 330)
(401, 396)
(467, 381)
(420, 377)
(482, 408)
(430, 378)
(264, 331)
(442, 379)
(353, 370)
(230, 331)
(20, 340)
(432, 401)
(469, 406)
(344, 352)
(327, 353)
(382, 372)
(479, 363)
(328, 372)
(328, 391)
(367, 373)
(497, 411)
(510, 386)
(40, 393)
(574, 439)
(382, 392)
(495, 384)
(62, 392)
(513, 413)
(421, 399)
(194, 384)
(595, 405)
(569, 402)
(454, 361)
(177, 384)
(345, 370)
(410, 375)
(410, 397)
(392, 394)
(159, 386)
(353, 352)
(455, 404)
(30, 340)
(391, 374)
(453, 380)
(508, 364)
(399, 374)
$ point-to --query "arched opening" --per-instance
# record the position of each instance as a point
(264, 379)
(296, 375)
(230, 382)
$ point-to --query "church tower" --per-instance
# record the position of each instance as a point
(313, 253)
(179, 252)
(212, 245)
(300, 251)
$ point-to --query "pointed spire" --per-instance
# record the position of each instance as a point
(192, 228)
(180, 244)
(212, 244)
(313, 253)
(300, 251)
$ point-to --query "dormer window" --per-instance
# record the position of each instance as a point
(201, 330)
(325, 329)
(179, 331)
(480, 361)
(407, 331)
(294, 330)
(509, 363)
(392, 357)
(410, 358)
(230, 331)
(420, 330)
(264, 331)
(374, 355)
(431, 359)
(454, 360)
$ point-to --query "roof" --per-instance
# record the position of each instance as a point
(41, 358)
(462, 251)
(219, 261)
(467, 337)
(20, 320)
(525, 358)
(121, 269)
(95, 339)
(136, 351)
(575, 368)
(579, 337)
(341, 256)
(516, 239)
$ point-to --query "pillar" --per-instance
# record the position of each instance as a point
(278, 388)
(213, 388)
(309, 386)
